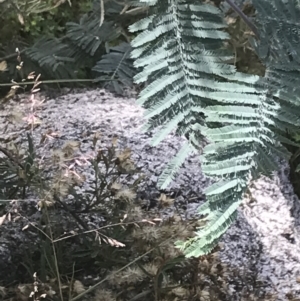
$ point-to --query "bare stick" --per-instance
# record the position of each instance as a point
(243, 16)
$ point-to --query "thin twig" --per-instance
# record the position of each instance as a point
(121, 269)
(102, 12)
(106, 226)
(244, 17)
(80, 222)
(49, 82)
(55, 259)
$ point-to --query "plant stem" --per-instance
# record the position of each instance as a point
(244, 17)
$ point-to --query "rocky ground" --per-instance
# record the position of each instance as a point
(264, 241)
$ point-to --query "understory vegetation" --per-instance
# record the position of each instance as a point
(225, 78)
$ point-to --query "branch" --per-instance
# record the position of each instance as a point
(244, 17)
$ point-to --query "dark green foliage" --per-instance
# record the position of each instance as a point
(88, 35)
(51, 55)
(117, 67)
(82, 47)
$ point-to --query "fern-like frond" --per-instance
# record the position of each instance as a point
(183, 57)
(89, 36)
(279, 48)
(182, 42)
(52, 55)
(173, 165)
(117, 67)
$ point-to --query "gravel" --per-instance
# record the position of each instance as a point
(265, 239)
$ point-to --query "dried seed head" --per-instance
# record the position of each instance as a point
(70, 147)
(126, 195)
(104, 295)
(165, 201)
